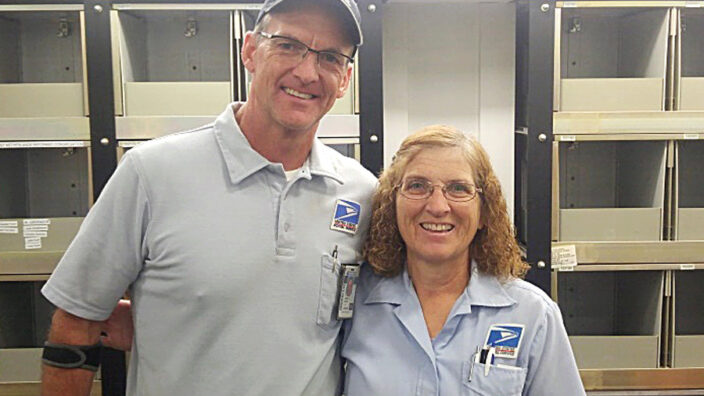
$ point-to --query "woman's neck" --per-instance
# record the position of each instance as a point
(438, 286)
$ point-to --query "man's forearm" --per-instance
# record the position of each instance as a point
(66, 382)
(71, 330)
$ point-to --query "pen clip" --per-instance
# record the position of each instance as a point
(489, 360)
(334, 259)
(475, 357)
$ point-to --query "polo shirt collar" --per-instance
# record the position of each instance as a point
(242, 160)
(321, 162)
(482, 290)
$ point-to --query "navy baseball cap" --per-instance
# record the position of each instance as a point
(352, 14)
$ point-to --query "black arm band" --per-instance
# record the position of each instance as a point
(72, 356)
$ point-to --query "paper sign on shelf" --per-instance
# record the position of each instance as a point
(33, 243)
(42, 227)
(30, 222)
(40, 234)
(564, 257)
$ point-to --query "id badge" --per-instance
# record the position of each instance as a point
(346, 290)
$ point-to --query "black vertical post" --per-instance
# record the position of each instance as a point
(103, 146)
(101, 101)
(371, 101)
(541, 17)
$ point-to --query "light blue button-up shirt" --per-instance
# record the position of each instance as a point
(389, 350)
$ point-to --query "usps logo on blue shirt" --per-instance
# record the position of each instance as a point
(346, 217)
(506, 339)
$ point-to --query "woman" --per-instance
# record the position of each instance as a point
(441, 308)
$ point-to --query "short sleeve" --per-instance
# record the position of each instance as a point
(108, 252)
(552, 368)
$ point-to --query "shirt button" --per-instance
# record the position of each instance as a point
(286, 227)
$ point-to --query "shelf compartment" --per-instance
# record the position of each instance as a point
(691, 59)
(20, 364)
(41, 70)
(611, 59)
(615, 224)
(45, 129)
(692, 91)
(173, 61)
(604, 94)
(688, 319)
(16, 259)
(25, 318)
(610, 190)
(663, 254)
(690, 190)
(634, 123)
(47, 192)
(167, 98)
(612, 317)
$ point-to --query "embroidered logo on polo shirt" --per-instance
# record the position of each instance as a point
(346, 217)
(506, 339)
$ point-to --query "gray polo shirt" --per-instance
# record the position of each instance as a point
(228, 264)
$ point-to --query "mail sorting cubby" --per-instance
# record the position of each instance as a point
(172, 62)
(610, 190)
(613, 318)
(690, 190)
(25, 317)
(46, 191)
(688, 319)
(692, 59)
(611, 59)
(41, 67)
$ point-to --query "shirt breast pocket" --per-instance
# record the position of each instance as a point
(500, 381)
(329, 278)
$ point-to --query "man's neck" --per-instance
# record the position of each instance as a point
(273, 142)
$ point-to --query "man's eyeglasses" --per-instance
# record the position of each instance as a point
(457, 191)
(288, 47)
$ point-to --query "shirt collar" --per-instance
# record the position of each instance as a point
(242, 160)
(482, 290)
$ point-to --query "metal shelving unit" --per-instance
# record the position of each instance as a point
(626, 192)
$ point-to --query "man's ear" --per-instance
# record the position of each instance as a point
(344, 83)
(249, 48)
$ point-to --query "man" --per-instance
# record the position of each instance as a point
(231, 237)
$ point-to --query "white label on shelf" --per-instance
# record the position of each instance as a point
(30, 222)
(569, 4)
(39, 227)
(686, 267)
(33, 243)
(566, 269)
(50, 144)
(40, 234)
(9, 230)
(694, 4)
(563, 256)
(691, 136)
(9, 223)
(568, 138)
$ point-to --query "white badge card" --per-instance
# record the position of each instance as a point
(347, 289)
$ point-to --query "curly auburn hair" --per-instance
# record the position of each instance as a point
(494, 247)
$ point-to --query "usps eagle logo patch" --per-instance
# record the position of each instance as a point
(506, 339)
(346, 216)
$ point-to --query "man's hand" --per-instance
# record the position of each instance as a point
(118, 329)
